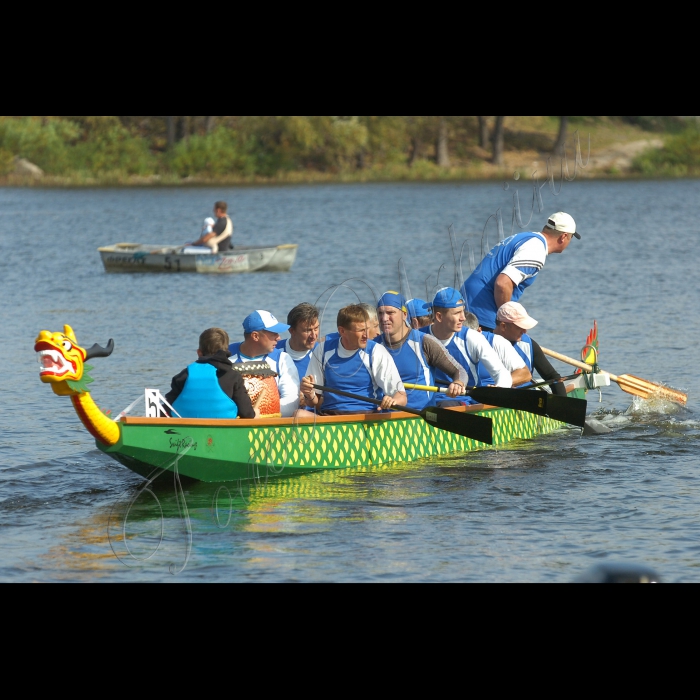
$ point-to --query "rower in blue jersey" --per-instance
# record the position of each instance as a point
(416, 354)
(512, 265)
(467, 346)
(418, 313)
(261, 333)
(351, 362)
(209, 387)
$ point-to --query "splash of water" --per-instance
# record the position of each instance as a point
(653, 405)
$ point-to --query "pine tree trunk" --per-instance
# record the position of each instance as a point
(415, 151)
(181, 131)
(442, 155)
(209, 124)
(498, 141)
(483, 133)
(558, 149)
(170, 124)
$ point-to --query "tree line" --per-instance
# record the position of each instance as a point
(251, 146)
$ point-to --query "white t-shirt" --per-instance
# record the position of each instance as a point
(296, 354)
(527, 260)
(507, 354)
(473, 345)
(383, 369)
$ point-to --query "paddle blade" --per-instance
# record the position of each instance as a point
(478, 428)
(646, 389)
(567, 409)
(519, 399)
(541, 403)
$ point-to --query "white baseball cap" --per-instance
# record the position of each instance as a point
(562, 222)
(512, 312)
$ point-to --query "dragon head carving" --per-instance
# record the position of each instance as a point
(62, 361)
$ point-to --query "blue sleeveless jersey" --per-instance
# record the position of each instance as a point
(202, 397)
(478, 287)
(301, 365)
(524, 348)
(349, 374)
(484, 377)
(413, 368)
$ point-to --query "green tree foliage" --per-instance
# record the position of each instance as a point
(679, 157)
(295, 148)
(61, 146)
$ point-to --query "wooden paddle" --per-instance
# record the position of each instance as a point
(478, 428)
(541, 403)
(627, 382)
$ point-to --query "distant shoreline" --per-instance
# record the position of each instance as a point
(295, 178)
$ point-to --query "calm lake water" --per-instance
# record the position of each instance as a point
(544, 510)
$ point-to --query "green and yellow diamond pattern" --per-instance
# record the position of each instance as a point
(358, 443)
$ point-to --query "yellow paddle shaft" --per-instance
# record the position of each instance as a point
(422, 387)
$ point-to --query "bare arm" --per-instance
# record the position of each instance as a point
(203, 239)
(398, 399)
(503, 289)
(521, 376)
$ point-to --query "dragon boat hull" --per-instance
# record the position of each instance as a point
(232, 450)
(141, 257)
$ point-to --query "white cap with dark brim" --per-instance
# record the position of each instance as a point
(562, 222)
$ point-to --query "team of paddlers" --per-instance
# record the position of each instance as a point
(474, 336)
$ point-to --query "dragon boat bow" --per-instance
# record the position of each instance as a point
(219, 450)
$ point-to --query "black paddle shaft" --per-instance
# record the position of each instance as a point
(478, 428)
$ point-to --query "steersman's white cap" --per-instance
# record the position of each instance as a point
(562, 222)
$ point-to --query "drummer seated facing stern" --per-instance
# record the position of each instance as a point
(352, 363)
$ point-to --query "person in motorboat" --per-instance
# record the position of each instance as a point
(467, 346)
(417, 355)
(351, 362)
(506, 352)
(209, 387)
(216, 235)
(512, 265)
(418, 313)
(261, 334)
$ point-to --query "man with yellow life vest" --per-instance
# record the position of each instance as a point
(218, 236)
(209, 387)
(467, 346)
(416, 355)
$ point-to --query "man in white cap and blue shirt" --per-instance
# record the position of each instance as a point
(512, 265)
(466, 345)
(416, 355)
(261, 333)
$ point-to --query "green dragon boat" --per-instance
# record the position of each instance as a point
(217, 450)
